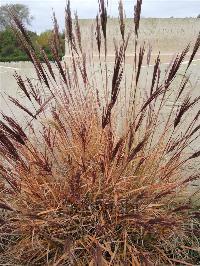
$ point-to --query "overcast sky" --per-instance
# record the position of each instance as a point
(42, 9)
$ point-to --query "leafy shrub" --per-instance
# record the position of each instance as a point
(14, 58)
(97, 177)
(11, 50)
(7, 50)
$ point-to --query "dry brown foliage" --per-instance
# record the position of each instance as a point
(97, 176)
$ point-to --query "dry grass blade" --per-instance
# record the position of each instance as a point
(12, 133)
(142, 116)
(195, 50)
(176, 65)
(98, 34)
(21, 84)
(68, 23)
(34, 92)
(56, 35)
(16, 102)
(121, 19)
(195, 130)
(78, 31)
(69, 28)
(103, 16)
(137, 14)
(160, 90)
(140, 60)
(182, 86)
(149, 55)
(116, 80)
(184, 108)
(7, 146)
(155, 73)
(20, 26)
(15, 126)
(39, 69)
(137, 149)
(117, 147)
(194, 155)
(58, 63)
(48, 63)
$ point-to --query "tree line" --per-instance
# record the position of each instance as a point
(10, 47)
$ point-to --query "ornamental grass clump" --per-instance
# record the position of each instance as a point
(99, 173)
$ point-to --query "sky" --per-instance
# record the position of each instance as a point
(42, 9)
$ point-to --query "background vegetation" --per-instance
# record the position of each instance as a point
(10, 47)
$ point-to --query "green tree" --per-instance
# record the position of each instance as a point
(21, 10)
(44, 39)
(198, 16)
(10, 48)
